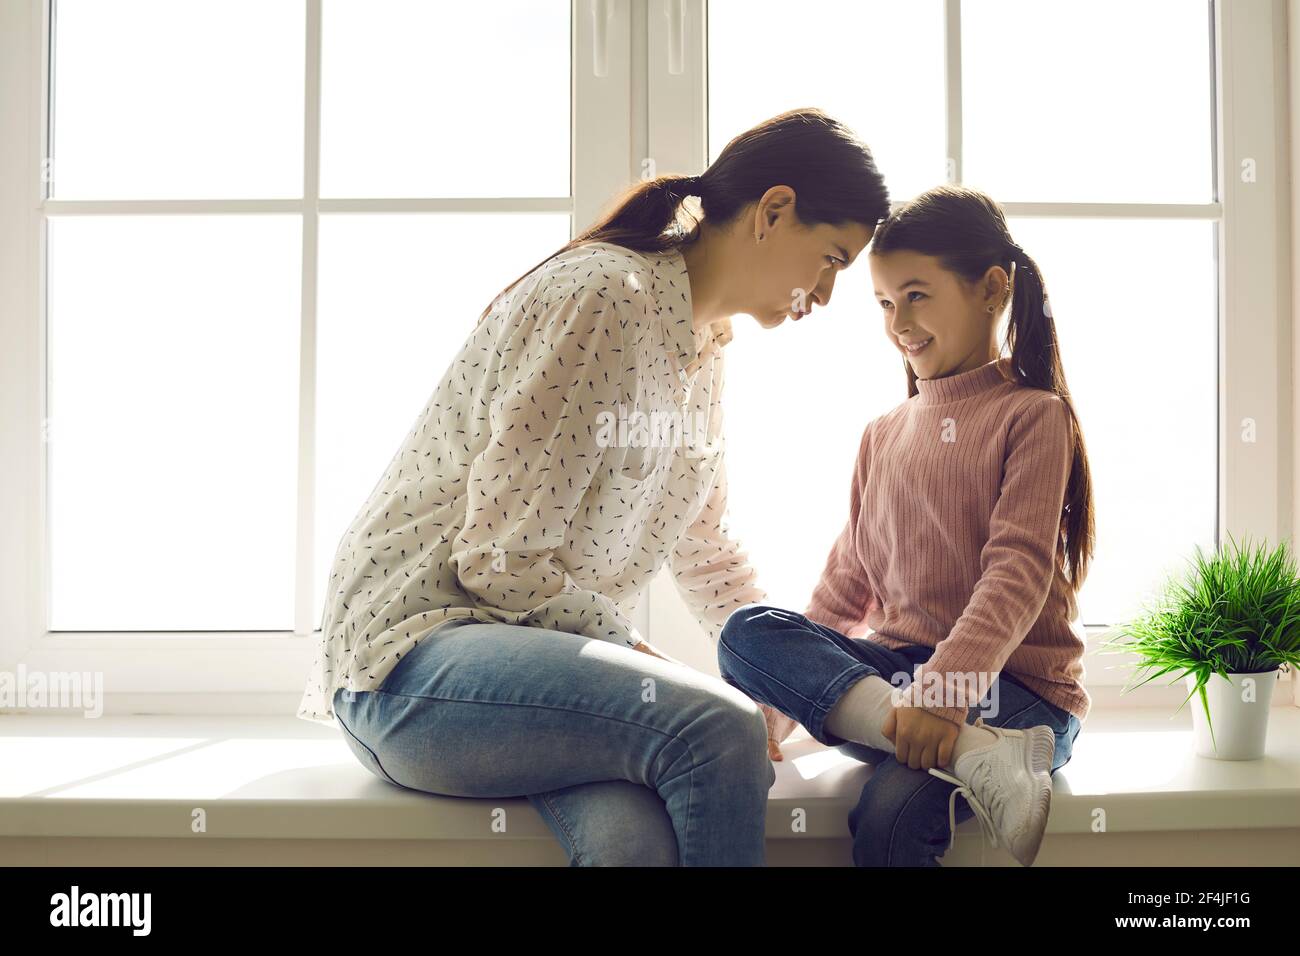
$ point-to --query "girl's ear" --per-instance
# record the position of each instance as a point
(995, 286)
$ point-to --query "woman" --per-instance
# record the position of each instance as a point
(475, 640)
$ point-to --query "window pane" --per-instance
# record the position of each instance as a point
(1139, 347)
(1107, 101)
(399, 295)
(174, 421)
(841, 56)
(444, 99)
(161, 100)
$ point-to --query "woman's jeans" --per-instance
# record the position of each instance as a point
(629, 759)
(802, 668)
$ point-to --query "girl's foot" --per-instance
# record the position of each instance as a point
(1009, 786)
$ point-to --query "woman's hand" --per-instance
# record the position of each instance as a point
(921, 740)
(645, 648)
(779, 726)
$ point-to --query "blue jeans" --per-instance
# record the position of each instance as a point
(629, 759)
(801, 668)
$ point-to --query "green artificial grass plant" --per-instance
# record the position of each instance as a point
(1235, 612)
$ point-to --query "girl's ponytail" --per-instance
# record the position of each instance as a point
(1031, 334)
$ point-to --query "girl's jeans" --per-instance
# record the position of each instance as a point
(801, 668)
(629, 759)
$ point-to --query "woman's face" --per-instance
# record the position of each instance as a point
(926, 305)
(794, 267)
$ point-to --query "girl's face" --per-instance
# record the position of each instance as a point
(925, 305)
(794, 267)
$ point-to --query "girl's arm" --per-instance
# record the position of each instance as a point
(1017, 562)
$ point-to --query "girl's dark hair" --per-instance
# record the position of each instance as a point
(966, 230)
(831, 171)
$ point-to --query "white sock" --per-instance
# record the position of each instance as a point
(970, 738)
(860, 713)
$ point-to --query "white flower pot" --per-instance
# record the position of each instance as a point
(1239, 712)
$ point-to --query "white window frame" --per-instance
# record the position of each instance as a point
(209, 672)
(1249, 65)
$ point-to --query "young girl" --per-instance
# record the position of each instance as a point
(969, 532)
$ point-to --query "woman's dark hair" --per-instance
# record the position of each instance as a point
(831, 171)
(966, 230)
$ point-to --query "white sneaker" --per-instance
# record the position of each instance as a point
(1009, 786)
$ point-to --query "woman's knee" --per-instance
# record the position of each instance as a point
(731, 715)
(725, 726)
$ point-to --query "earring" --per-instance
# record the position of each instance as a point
(989, 309)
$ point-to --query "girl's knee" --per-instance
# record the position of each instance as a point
(739, 635)
(741, 621)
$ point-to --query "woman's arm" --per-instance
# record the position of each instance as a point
(527, 484)
(712, 571)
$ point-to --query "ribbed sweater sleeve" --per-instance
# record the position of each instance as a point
(1016, 562)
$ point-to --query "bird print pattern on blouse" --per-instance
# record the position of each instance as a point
(513, 500)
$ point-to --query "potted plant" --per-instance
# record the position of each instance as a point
(1226, 628)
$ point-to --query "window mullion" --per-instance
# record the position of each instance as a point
(676, 142)
(953, 88)
(306, 614)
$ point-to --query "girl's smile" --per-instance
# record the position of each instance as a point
(941, 324)
(916, 348)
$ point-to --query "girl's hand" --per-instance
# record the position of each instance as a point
(921, 740)
(779, 726)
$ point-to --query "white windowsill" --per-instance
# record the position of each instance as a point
(284, 778)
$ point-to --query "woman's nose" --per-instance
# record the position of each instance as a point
(822, 294)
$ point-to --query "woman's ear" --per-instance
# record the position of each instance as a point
(777, 202)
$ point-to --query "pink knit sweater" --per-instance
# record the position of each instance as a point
(952, 542)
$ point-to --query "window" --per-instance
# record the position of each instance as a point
(1101, 146)
(259, 211)
(258, 233)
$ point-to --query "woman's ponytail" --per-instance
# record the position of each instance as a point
(638, 220)
(831, 171)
